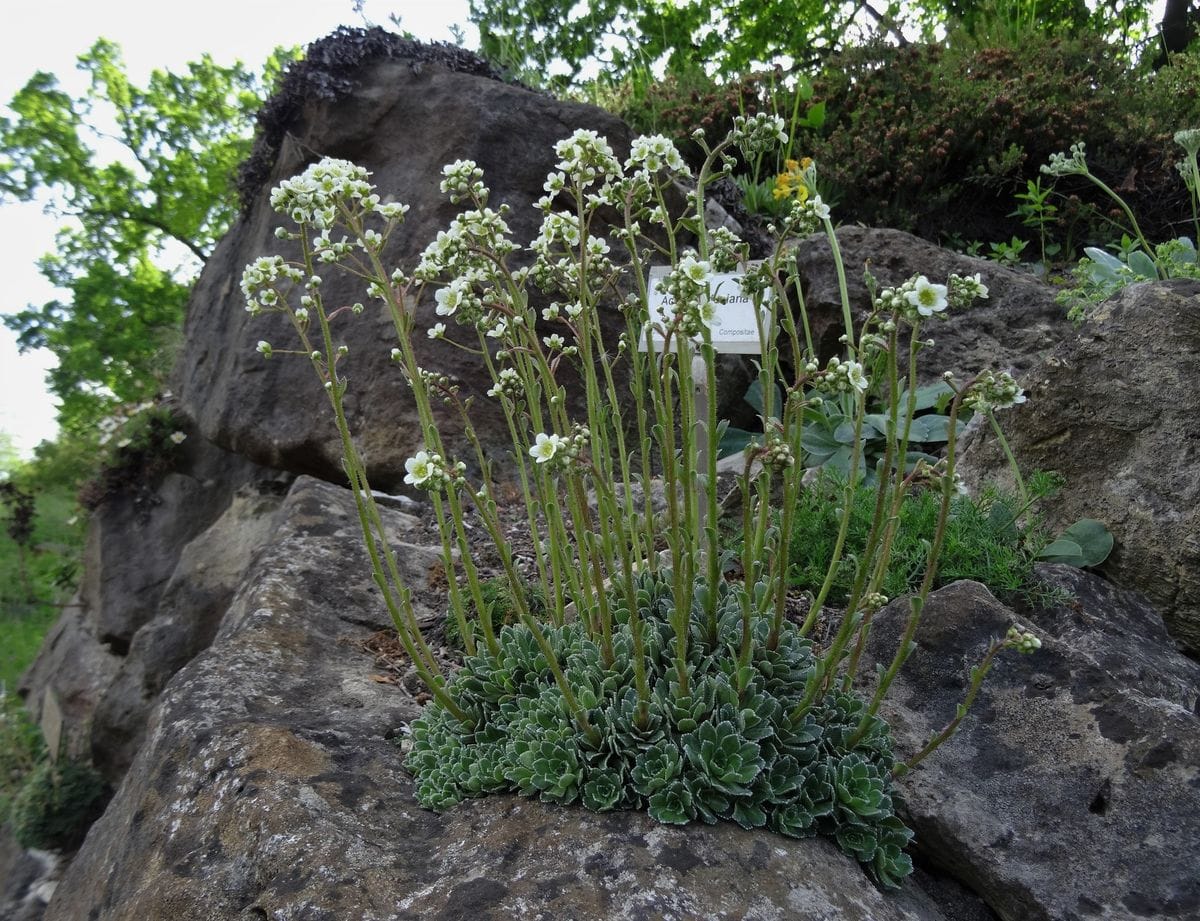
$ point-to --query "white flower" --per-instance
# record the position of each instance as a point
(927, 298)
(263, 348)
(448, 300)
(597, 246)
(855, 376)
(545, 447)
(554, 341)
(708, 313)
(418, 468)
(695, 270)
(818, 207)
(178, 438)
(437, 331)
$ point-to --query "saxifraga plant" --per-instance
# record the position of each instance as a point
(650, 679)
(1101, 274)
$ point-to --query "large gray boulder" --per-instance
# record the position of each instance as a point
(1114, 410)
(210, 569)
(270, 785)
(1070, 790)
(1018, 322)
(134, 584)
(403, 111)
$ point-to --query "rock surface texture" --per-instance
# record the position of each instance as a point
(1072, 790)
(270, 786)
(1114, 410)
(158, 567)
(1018, 321)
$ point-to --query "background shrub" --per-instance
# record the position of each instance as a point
(56, 805)
(937, 139)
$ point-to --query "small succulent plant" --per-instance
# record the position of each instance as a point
(710, 754)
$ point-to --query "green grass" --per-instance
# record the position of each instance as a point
(46, 571)
(984, 542)
(50, 567)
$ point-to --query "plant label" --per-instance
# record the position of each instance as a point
(735, 328)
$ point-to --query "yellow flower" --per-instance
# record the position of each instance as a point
(792, 183)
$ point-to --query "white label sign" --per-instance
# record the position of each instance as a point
(736, 327)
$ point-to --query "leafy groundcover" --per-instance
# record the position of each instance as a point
(710, 754)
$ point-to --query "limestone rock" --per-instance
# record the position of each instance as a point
(209, 571)
(135, 537)
(76, 668)
(1114, 410)
(1070, 790)
(27, 879)
(1018, 321)
(270, 786)
(135, 543)
(408, 116)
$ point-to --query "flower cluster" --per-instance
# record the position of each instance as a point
(965, 290)
(759, 133)
(327, 250)
(557, 247)
(726, 251)
(316, 196)
(260, 281)
(840, 376)
(1063, 165)
(653, 153)
(777, 455)
(688, 295)
(464, 250)
(458, 293)
(431, 471)
(796, 180)
(1019, 639)
(1189, 140)
(560, 450)
(508, 384)
(1187, 174)
(916, 299)
(991, 391)
(585, 157)
(462, 180)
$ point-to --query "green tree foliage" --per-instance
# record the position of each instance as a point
(144, 176)
(728, 37)
(621, 35)
(10, 457)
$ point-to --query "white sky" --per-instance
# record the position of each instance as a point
(48, 35)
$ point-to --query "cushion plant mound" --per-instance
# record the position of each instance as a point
(711, 753)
